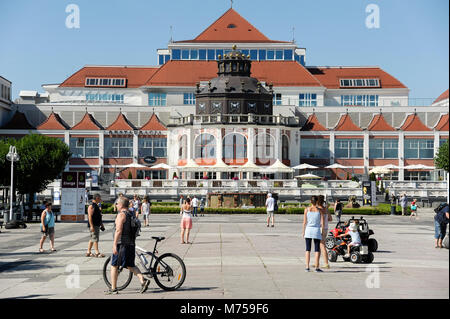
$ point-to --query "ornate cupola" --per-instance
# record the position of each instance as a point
(234, 91)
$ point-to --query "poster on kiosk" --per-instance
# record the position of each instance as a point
(72, 196)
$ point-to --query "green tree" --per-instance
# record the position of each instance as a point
(42, 159)
(441, 159)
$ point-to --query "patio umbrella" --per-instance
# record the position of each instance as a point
(162, 165)
(391, 166)
(418, 166)
(380, 170)
(134, 165)
(304, 166)
(335, 165)
(279, 167)
(308, 176)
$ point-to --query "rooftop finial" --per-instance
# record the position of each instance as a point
(231, 4)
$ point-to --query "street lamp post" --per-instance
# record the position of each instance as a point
(13, 157)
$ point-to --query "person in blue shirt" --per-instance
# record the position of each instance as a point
(47, 227)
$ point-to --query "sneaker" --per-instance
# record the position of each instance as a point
(319, 270)
(144, 286)
(307, 269)
(346, 256)
(112, 292)
(326, 266)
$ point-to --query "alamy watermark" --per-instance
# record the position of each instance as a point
(73, 19)
(373, 279)
(73, 278)
(373, 19)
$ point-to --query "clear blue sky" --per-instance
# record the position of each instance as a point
(412, 42)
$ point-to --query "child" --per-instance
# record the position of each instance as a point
(356, 238)
(414, 207)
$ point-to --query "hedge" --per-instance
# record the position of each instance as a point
(383, 210)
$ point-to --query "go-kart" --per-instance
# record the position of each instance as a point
(332, 238)
(358, 254)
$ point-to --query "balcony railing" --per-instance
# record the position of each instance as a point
(235, 119)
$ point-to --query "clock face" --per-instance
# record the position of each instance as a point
(217, 106)
(251, 106)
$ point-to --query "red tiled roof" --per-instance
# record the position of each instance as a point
(136, 76)
(313, 124)
(121, 124)
(18, 122)
(53, 122)
(413, 123)
(188, 73)
(441, 97)
(379, 123)
(346, 124)
(88, 123)
(153, 124)
(232, 27)
(443, 124)
(330, 76)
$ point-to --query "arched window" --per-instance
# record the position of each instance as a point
(285, 148)
(234, 148)
(264, 149)
(205, 146)
(182, 150)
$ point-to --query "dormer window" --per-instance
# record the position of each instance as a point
(110, 82)
(231, 26)
(359, 83)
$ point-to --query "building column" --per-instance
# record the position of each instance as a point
(67, 141)
(250, 145)
(294, 147)
(401, 156)
(366, 153)
(219, 150)
(135, 147)
(101, 151)
(278, 144)
(332, 148)
(436, 143)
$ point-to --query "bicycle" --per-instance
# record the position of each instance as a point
(165, 269)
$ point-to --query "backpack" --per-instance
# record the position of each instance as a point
(135, 226)
(440, 207)
(440, 216)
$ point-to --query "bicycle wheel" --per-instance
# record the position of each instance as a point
(123, 279)
(169, 272)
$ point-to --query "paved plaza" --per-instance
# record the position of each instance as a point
(232, 256)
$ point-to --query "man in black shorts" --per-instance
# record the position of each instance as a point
(124, 248)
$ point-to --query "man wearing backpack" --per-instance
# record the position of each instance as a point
(124, 244)
(441, 220)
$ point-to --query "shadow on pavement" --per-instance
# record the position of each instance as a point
(24, 265)
(29, 297)
(188, 289)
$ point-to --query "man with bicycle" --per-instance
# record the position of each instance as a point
(124, 248)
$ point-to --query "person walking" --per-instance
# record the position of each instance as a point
(441, 220)
(47, 227)
(202, 206)
(136, 205)
(95, 224)
(116, 202)
(327, 218)
(145, 207)
(195, 206)
(338, 209)
(124, 246)
(313, 221)
(186, 220)
(181, 201)
(270, 207)
(403, 203)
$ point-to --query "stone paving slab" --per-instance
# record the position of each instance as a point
(232, 256)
